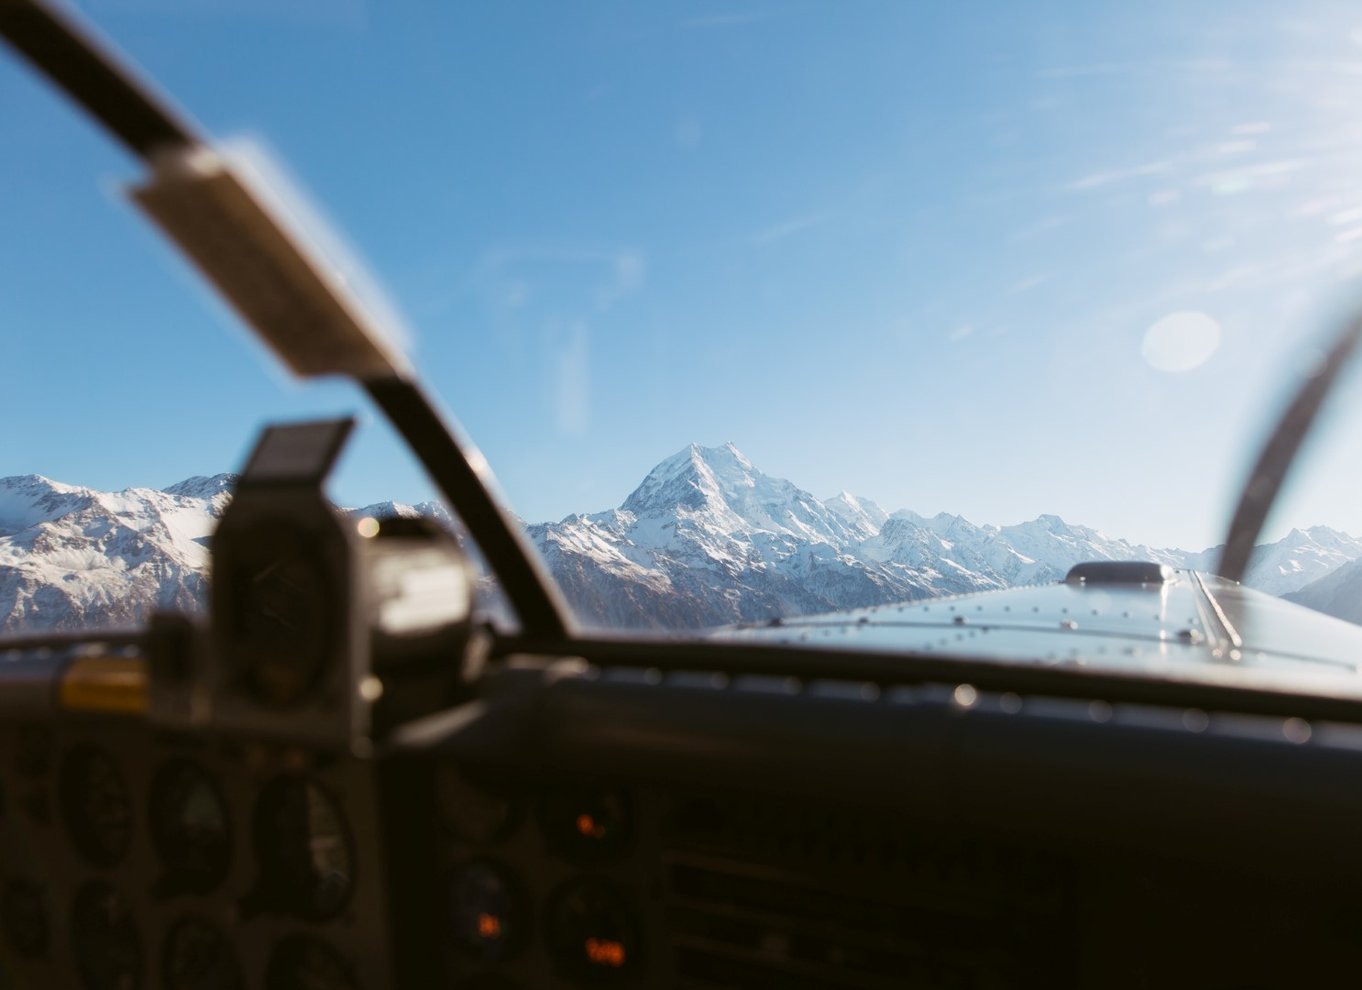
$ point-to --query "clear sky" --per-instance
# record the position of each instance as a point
(989, 258)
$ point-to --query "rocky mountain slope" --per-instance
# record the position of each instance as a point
(1299, 558)
(73, 558)
(1338, 593)
(705, 539)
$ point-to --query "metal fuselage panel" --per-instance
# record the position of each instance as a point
(1190, 628)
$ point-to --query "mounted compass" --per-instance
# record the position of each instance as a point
(324, 625)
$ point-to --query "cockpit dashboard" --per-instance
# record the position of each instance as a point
(587, 821)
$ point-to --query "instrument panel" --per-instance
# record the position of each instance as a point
(617, 831)
(599, 884)
(577, 915)
(133, 858)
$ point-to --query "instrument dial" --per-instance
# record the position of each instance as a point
(486, 916)
(105, 943)
(189, 827)
(303, 847)
(199, 957)
(95, 805)
(591, 932)
(587, 825)
(280, 614)
(473, 810)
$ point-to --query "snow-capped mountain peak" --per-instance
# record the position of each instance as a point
(1301, 557)
(861, 514)
(943, 524)
(204, 486)
(694, 476)
(73, 558)
(30, 499)
(717, 492)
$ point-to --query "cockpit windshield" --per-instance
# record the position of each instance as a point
(756, 310)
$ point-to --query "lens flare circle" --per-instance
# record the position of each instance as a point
(1181, 341)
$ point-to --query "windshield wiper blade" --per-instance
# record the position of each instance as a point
(269, 272)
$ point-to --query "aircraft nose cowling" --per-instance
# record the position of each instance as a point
(1131, 618)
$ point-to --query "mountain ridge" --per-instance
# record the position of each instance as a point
(705, 539)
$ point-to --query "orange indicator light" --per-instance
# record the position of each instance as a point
(489, 926)
(605, 952)
(589, 827)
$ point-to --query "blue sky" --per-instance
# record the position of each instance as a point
(912, 250)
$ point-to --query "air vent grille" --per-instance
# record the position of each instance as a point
(762, 895)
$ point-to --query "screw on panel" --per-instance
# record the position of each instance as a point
(1296, 730)
(1195, 720)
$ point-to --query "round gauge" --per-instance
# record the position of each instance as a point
(301, 962)
(485, 915)
(473, 810)
(105, 945)
(586, 825)
(279, 618)
(189, 827)
(95, 805)
(590, 932)
(199, 957)
(303, 847)
(23, 917)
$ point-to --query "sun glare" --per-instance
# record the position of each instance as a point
(1181, 341)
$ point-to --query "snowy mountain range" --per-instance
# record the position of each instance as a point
(708, 539)
(74, 558)
(1338, 593)
(705, 539)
